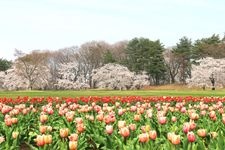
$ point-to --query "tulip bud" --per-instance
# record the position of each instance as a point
(43, 118)
(48, 139)
(109, 129)
(40, 140)
(191, 136)
(64, 132)
(143, 138)
(73, 137)
(175, 139)
(15, 134)
(73, 145)
(201, 132)
(152, 134)
(124, 131)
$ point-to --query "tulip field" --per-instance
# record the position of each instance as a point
(112, 123)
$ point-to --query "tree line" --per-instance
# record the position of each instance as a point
(45, 69)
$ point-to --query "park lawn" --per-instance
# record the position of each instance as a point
(149, 92)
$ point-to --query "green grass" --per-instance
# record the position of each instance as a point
(181, 92)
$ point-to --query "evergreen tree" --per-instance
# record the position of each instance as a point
(210, 47)
(108, 57)
(146, 55)
(4, 64)
(184, 53)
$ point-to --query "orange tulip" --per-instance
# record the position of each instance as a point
(80, 128)
(43, 129)
(143, 138)
(132, 127)
(64, 132)
(73, 145)
(137, 117)
(201, 132)
(8, 121)
(14, 120)
(152, 134)
(40, 140)
(124, 131)
(43, 118)
(175, 139)
(47, 139)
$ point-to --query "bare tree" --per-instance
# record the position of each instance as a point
(56, 59)
(172, 64)
(91, 57)
(118, 51)
(32, 66)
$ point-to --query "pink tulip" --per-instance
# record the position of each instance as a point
(132, 127)
(186, 128)
(162, 120)
(109, 129)
(191, 136)
(174, 119)
(73, 137)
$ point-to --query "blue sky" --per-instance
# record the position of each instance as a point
(53, 24)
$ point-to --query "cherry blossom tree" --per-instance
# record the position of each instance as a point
(13, 81)
(32, 66)
(2, 78)
(201, 73)
(115, 76)
(71, 76)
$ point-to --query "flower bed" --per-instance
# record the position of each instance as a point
(112, 123)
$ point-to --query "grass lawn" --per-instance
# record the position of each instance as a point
(147, 92)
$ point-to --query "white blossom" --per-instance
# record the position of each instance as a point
(71, 77)
(115, 76)
(202, 72)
